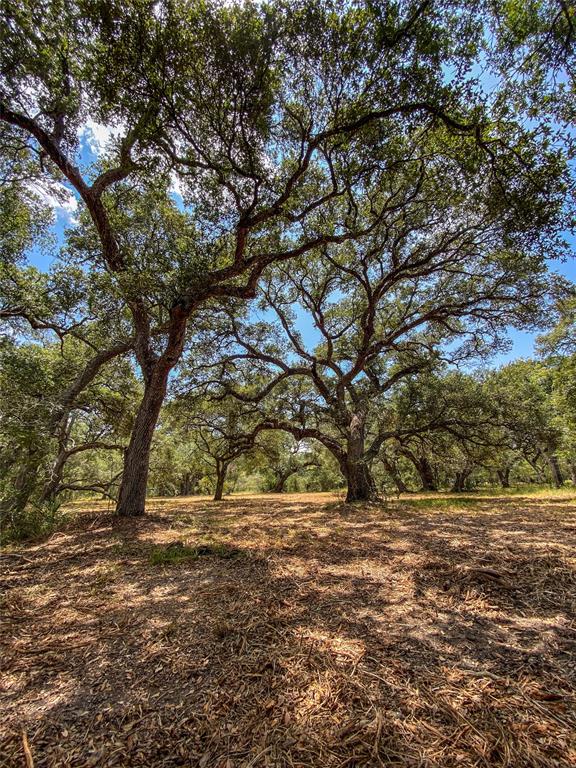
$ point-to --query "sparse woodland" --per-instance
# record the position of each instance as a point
(278, 256)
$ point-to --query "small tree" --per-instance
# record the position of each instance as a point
(219, 434)
(283, 458)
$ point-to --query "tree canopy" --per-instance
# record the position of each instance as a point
(397, 176)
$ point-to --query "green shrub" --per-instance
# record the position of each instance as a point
(36, 521)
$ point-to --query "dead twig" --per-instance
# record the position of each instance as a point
(27, 751)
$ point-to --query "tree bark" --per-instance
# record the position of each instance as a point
(281, 479)
(533, 462)
(426, 475)
(422, 466)
(221, 470)
(361, 485)
(554, 464)
(52, 486)
(353, 465)
(64, 429)
(460, 481)
(132, 495)
(504, 477)
(12, 507)
(188, 484)
(391, 468)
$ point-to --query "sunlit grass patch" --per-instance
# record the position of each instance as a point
(449, 502)
(529, 489)
(178, 552)
(172, 555)
(483, 498)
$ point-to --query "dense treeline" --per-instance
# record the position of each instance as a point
(293, 257)
(443, 429)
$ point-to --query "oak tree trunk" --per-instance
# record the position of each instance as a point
(426, 474)
(460, 481)
(132, 496)
(221, 470)
(353, 465)
(424, 469)
(504, 477)
(554, 464)
(188, 484)
(51, 488)
(278, 486)
(394, 473)
(361, 485)
(282, 476)
(533, 462)
(13, 506)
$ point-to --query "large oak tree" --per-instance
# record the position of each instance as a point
(281, 127)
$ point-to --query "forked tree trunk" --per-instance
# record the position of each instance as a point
(54, 481)
(283, 477)
(132, 495)
(221, 471)
(460, 481)
(533, 462)
(51, 488)
(278, 486)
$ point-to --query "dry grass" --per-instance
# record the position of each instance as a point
(296, 631)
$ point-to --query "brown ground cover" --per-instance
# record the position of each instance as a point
(295, 631)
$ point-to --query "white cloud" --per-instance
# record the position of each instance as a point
(97, 136)
(68, 209)
(58, 197)
(176, 185)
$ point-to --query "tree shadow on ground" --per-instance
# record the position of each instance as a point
(380, 635)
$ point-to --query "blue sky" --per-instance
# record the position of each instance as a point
(93, 141)
(523, 341)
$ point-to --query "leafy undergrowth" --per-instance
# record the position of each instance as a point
(296, 631)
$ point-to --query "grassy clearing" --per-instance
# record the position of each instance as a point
(296, 631)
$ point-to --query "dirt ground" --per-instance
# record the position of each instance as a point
(295, 631)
